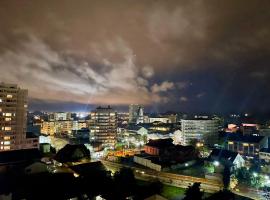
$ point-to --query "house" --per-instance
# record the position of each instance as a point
(72, 154)
(264, 154)
(16, 157)
(224, 158)
(162, 155)
(156, 147)
(247, 145)
(136, 129)
(36, 167)
(178, 137)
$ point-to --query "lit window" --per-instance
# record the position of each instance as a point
(245, 144)
(1, 100)
(230, 142)
(7, 128)
(9, 96)
(7, 143)
(25, 106)
(7, 119)
(8, 114)
(6, 147)
(7, 138)
(0, 109)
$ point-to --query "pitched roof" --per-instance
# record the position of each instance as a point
(66, 154)
(89, 168)
(155, 197)
(160, 143)
(19, 156)
(266, 150)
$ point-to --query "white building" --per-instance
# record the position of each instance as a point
(136, 113)
(264, 154)
(205, 130)
(159, 119)
(178, 137)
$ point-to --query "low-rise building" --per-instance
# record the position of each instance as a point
(264, 154)
(224, 158)
(162, 155)
(246, 144)
(157, 147)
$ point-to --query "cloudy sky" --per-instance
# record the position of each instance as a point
(167, 55)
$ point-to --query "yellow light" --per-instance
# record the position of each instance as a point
(9, 96)
(7, 119)
(245, 144)
(230, 142)
(7, 128)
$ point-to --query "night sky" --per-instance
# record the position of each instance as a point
(190, 56)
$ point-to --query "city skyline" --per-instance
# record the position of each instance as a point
(174, 55)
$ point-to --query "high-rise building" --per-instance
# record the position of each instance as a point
(204, 130)
(13, 118)
(136, 113)
(104, 127)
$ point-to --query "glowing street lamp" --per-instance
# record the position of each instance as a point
(255, 174)
(216, 163)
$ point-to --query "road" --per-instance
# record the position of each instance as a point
(177, 180)
(182, 181)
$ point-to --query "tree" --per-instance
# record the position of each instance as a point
(209, 167)
(226, 177)
(194, 192)
(125, 183)
(233, 182)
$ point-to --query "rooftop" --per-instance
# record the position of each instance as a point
(223, 154)
(244, 138)
(160, 143)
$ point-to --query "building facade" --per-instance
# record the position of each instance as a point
(246, 145)
(13, 118)
(104, 128)
(205, 130)
(136, 114)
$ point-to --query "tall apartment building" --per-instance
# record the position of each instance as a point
(104, 127)
(136, 114)
(13, 118)
(204, 130)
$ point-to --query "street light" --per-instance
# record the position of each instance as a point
(216, 163)
(255, 174)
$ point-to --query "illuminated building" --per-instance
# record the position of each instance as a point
(62, 126)
(136, 113)
(205, 130)
(246, 144)
(104, 126)
(60, 116)
(264, 154)
(159, 119)
(13, 119)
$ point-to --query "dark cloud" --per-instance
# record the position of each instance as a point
(213, 54)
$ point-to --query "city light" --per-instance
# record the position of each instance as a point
(255, 174)
(216, 163)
